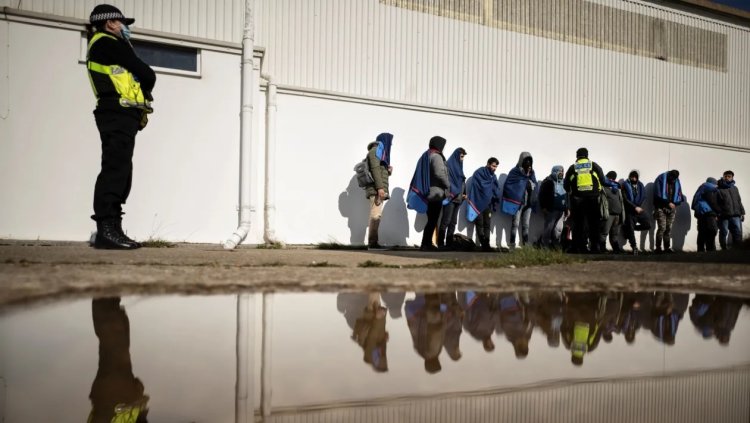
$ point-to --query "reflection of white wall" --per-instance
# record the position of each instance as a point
(311, 343)
(182, 348)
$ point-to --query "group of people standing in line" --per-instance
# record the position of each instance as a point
(594, 206)
(577, 320)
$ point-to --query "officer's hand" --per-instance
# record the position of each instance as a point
(143, 122)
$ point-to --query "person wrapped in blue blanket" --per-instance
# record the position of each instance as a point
(706, 211)
(518, 199)
(428, 187)
(483, 195)
(667, 197)
(453, 199)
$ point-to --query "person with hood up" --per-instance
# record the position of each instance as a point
(555, 204)
(732, 212)
(633, 194)
(482, 197)
(379, 162)
(667, 197)
(453, 199)
(428, 187)
(584, 181)
(517, 200)
(612, 225)
(706, 208)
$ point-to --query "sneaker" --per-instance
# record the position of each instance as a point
(376, 247)
(635, 252)
(429, 247)
(669, 250)
(657, 250)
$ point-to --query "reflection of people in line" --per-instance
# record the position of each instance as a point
(632, 315)
(426, 320)
(612, 308)
(515, 323)
(667, 310)
(581, 326)
(715, 316)
(545, 312)
(453, 320)
(480, 317)
(366, 317)
(116, 395)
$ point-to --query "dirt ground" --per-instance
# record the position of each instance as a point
(41, 271)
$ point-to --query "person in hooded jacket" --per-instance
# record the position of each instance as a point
(706, 208)
(427, 188)
(633, 194)
(481, 199)
(731, 210)
(379, 163)
(555, 205)
(453, 199)
(517, 198)
(667, 197)
(612, 224)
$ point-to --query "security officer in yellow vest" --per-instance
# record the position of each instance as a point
(122, 84)
(583, 182)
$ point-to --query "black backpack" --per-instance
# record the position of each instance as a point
(364, 176)
(462, 243)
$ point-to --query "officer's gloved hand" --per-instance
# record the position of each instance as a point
(144, 121)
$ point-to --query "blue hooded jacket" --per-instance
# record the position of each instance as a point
(481, 192)
(457, 177)
(700, 205)
(419, 188)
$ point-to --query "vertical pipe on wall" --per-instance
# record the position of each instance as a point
(266, 349)
(246, 129)
(244, 406)
(269, 206)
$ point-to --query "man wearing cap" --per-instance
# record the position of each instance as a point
(732, 212)
(667, 197)
(122, 84)
(584, 181)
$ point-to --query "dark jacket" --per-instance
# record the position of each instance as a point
(379, 172)
(632, 196)
(547, 195)
(614, 199)
(108, 51)
(730, 203)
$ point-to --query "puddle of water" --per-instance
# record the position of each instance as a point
(410, 357)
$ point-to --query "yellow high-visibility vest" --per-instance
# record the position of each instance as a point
(123, 81)
(585, 175)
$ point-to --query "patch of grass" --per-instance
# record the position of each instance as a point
(337, 246)
(323, 264)
(519, 258)
(157, 243)
(274, 245)
(370, 263)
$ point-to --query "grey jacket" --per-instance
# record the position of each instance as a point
(439, 179)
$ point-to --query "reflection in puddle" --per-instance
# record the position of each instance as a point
(453, 356)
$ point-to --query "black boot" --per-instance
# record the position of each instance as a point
(109, 238)
(135, 243)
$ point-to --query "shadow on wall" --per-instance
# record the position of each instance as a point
(354, 206)
(648, 207)
(394, 224)
(682, 223)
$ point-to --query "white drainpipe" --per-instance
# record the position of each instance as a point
(246, 129)
(269, 206)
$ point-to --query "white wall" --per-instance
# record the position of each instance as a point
(186, 161)
(323, 139)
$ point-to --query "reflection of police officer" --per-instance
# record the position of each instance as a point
(122, 84)
(116, 394)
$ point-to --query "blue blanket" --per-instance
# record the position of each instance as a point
(481, 192)
(385, 140)
(660, 189)
(638, 199)
(514, 190)
(419, 188)
(456, 173)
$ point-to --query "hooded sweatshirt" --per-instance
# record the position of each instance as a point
(518, 186)
(552, 195)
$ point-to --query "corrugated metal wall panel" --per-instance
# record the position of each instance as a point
(720, 395)
(213, 19)
(610, 64)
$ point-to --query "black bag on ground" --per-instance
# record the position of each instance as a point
(362, 171)
(462, 243)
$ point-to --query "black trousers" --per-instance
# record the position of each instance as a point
(433, 214)
(707, 228)
(483, 224)
(448, 223)
(585, 213)
(117, 131)
(634, 222)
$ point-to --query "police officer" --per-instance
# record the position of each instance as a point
(122, 84)
(584, 181)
